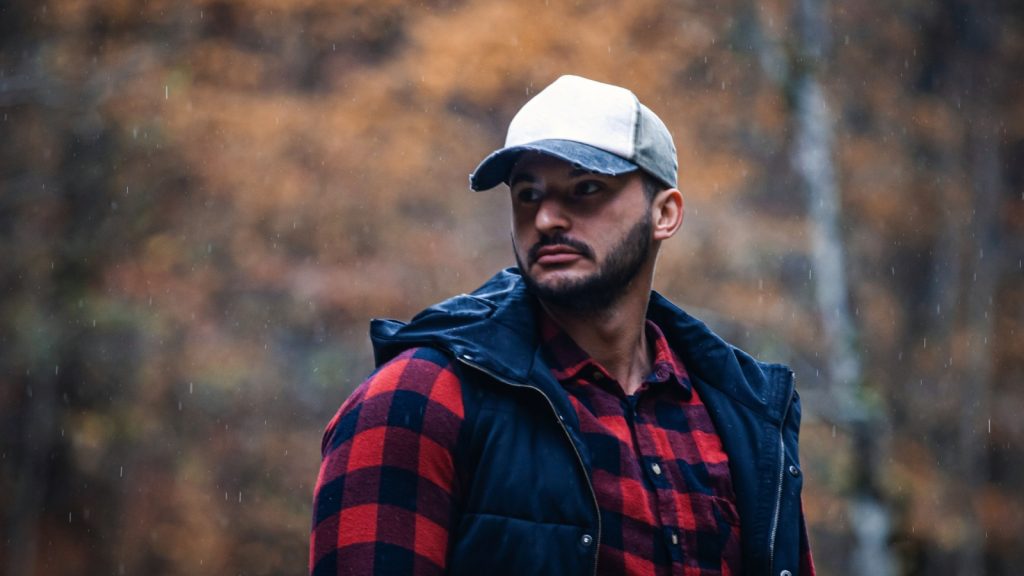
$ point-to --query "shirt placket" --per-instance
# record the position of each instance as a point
(656, 467)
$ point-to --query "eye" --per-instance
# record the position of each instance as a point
(528, 195)
(588, 188)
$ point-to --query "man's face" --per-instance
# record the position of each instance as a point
(580, 238)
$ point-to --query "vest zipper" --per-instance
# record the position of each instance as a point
(597, 541)
(778, 495)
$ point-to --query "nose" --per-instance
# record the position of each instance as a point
(551, 216)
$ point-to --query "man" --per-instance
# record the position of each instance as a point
(563, 418)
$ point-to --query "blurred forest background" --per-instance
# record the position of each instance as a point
(202, 204)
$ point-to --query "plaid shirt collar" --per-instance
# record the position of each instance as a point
(570, 363)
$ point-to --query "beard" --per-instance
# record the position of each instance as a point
(601, 289)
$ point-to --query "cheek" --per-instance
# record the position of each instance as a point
(522, 228)
(521, 244)
(518, 242)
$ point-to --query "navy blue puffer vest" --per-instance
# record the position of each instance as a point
(527, 505)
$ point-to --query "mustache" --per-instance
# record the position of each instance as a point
(560, 240)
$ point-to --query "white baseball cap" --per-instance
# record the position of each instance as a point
(595, 126)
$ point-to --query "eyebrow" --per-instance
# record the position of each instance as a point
(522, 177)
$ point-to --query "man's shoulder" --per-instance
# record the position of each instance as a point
(764, 386)
(497, 317)
(418, 369)
(417, 385)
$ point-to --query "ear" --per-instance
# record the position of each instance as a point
(667, 213)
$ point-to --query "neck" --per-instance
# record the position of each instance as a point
(615, 337)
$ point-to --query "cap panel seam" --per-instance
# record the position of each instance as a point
(637, 112)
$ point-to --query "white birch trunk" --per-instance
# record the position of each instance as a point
(813, 162)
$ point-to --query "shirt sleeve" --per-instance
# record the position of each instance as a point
(384, 501)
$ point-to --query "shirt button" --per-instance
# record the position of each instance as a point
(586, 540)
(597, 376)
(785, 573)
(675, 538)
(794, 471)
(656, 469)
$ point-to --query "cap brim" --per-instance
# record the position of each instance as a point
(496, 167)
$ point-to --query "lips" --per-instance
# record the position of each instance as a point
(556, 254)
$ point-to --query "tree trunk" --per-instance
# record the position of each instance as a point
(976, 38)
(813, 163)
(38, 441)
(976, 376)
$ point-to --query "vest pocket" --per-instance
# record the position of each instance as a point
(496, 545)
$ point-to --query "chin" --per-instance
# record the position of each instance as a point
(566, 283)
(556, 279)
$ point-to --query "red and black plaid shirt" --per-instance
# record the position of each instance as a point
(659, 471)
